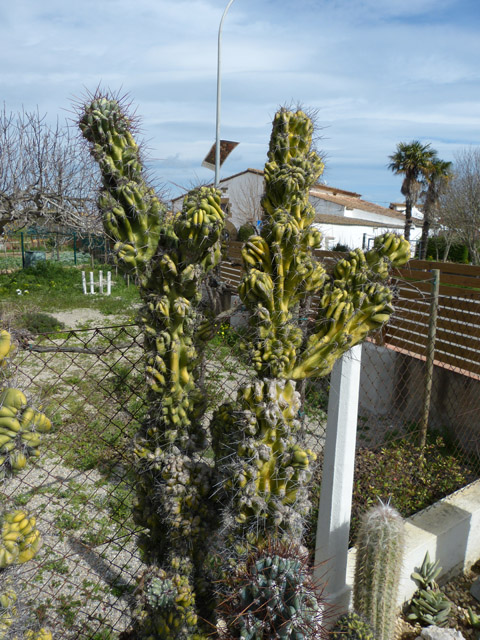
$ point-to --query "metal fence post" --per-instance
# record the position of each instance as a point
(23, 249)
(331, 550)
(432, 333)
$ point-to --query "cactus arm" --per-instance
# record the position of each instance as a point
(354, 303)
(131, 210)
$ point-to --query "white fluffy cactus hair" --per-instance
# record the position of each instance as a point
(380, 548)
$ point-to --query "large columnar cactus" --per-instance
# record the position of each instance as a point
(261, 468)
(263, 464)
(171, 256)
(380, 547)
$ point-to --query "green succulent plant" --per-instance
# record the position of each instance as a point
(272, 596)
(429, 604)
(8, 611)
(352, 626)
(21, 426)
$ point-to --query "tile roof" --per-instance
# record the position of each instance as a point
(325, 218)
(353, 202)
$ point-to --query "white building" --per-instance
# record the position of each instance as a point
(342, 216)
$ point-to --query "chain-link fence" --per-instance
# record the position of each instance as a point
(81, 490)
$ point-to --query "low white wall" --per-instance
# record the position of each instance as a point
(449, 531)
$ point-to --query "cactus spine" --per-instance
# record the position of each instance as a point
(171, 256)
(380, 548)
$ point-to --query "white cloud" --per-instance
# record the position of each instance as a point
(378, 72)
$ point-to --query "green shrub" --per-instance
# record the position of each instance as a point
(46, 274)
(409, 477)
(245, 231)
(458, 252)
(341, 247)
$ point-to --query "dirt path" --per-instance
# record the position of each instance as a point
(78, 317)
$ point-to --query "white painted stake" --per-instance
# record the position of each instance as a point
(92, 284)
(337, 478)
(109, 283)
(100, 281)
(84, 283)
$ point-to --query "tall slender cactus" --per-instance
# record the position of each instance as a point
(380, 548)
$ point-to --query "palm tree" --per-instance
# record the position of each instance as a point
(436, 179)
(411, 160)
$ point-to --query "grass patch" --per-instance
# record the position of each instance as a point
(53, 285)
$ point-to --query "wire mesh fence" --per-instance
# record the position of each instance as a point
(81, 489)
(91, 382)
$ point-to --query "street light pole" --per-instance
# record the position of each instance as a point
(217, 136)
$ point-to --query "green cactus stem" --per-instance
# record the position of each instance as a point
(171, 255)
(264, 465)
(21, 426)
(8, 611)
(271, 596)
(380, 548)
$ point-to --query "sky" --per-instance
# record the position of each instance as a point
(374, 72)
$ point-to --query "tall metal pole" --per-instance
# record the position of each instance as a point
(217, 136)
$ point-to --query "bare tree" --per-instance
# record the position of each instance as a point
(459, 206)
(248, 199)
(46, 175)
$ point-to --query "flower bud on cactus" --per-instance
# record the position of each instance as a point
(380, 548)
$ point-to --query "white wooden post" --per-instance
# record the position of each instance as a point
(100, 281)
(84, 283)
(109, 283)
(337, 478)
(92, 285)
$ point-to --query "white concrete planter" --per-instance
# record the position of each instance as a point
(449, 530)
